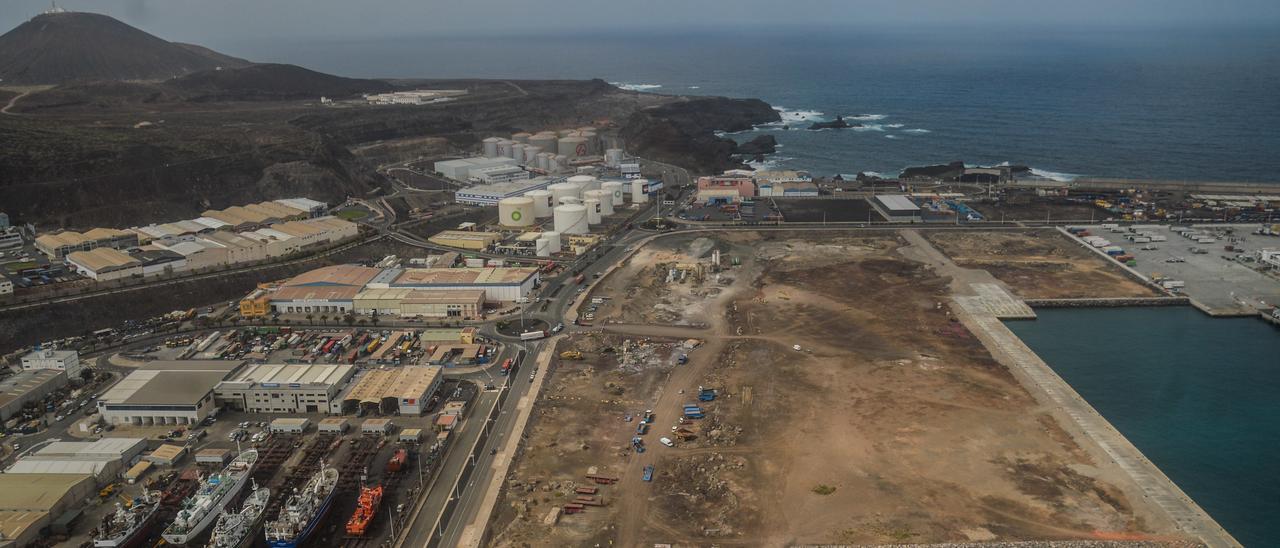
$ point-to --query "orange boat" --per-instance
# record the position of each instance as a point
(366, 508)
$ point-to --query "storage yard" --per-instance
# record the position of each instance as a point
(827, 413)
(1039, 264)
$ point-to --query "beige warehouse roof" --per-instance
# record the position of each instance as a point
(168, 451)
(409, 382)
(102, 258)
(467, 235)
(36, 492)
(464, 276)
(294, 373)
(336, 275)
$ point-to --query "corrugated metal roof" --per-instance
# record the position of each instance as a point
(898, 203)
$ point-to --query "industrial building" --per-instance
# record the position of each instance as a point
(491, 194)
(414, 97)
(284, 388)
(787, 189)
(59, 245)
(460, 335)
(290, 425)
(104, 264)
(499, 284)
(33, 501)
(166, 392)
(6, 286)
(401, 390)
(58, 360)
(425, 303)
(10, 238)
(465, 239)
(460, 169)
(28, 386)
(167, 454)
(103, 459)
(498, 174)
(324, 290)
(739, 182)
(897, 207)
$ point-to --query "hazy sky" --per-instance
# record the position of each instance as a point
(220, 22)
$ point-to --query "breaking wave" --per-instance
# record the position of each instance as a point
(635, 87)
(894, 126)
(792, 116)
(890, 136)
(1054, 175)
(916, 130)
(866, 117)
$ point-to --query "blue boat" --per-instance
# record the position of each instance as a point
(303, 510)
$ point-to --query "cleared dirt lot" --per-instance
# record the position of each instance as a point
(1039, 210)
(1038, 263)
(890, 424)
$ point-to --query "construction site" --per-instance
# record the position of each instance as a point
(818, 390)
(1039, 263)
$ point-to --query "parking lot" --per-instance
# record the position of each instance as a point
(1223, 281)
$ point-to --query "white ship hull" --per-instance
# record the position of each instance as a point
(215, 506)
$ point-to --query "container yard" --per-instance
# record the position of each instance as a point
(301, 345)
(1221, 268)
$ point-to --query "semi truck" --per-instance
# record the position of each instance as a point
(532, 335)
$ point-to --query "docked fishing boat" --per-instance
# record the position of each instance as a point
(235, 529)
(366, 508)
(303, 510)
(201, 508)
(128, 527)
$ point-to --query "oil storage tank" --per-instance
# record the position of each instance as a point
(544, 160)
(521, 137)
(546, 141)
(638, 194)
(504, 148)
(543, 202)
(585, 182)
(561, 163)
(571, 219)
(593, 210)
(491, 147)
(601, 197)
(562, 190)
(570, 200)
(593, 142)
(531, 155)
(573, 147)
(613, 157)
(553, 240)
(517, 152)
(516, 211)
(614, 189)
(541, 247)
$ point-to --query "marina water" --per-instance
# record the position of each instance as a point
(1197, 395)
(1172, 103)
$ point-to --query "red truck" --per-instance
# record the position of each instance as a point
(397, 460)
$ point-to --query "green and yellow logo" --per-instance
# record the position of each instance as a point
(515, 215)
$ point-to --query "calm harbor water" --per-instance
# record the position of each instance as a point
(1196, 394)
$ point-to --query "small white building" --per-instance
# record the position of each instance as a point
(376, 426)
(6, 286)
(61, 360)
(498, 174)
(290, 425)
(336, 425)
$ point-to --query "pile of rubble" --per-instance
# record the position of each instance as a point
(693, 486)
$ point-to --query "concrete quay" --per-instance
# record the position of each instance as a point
(1050, 390)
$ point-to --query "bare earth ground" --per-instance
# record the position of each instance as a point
(891, 424)
(1038, 263)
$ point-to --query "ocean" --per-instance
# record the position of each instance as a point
(1196, 394)
(1171, 104)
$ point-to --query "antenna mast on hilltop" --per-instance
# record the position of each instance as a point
(53, 7)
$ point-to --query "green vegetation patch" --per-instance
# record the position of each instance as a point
(352, 214)
(824, 489)
(20, 265)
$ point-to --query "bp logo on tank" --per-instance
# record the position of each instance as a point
(516, 215)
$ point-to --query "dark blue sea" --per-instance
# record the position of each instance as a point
(1172, 103)
(1196, 394)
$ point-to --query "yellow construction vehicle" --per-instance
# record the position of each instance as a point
(571, 355)
(107, 491)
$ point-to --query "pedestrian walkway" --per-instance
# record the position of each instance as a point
(1007, 348)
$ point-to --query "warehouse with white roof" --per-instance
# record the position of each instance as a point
(284, 388)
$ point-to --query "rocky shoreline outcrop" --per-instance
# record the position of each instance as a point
(683, 132)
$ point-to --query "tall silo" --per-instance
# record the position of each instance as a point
(614, 188)
(517, 152)
(553, 240)
(603, 197)
(545, 140)
(573, 147)
(516, 211)
(543, 202)
(541, 247)
(504, 148)
(561, 163)
(561, 190)
(638, 195)
(593, 210)
(571, 219)
(521, 137)
(544, 160)
(491, 147)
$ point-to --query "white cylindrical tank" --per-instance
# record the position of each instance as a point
(545, 140)
(587, 128)
(570, 200)
(613, 157)
(573, 147)
(593, 210)
(571, 219)
(491, 147)
(504, 148)
(562, 162)
(614, 188)
(521, 137)
(544, 160)
(541, 247)
(516, 211)
(553, 240)
(531, 155)
(543, 202)
(562, 190)
(585, 182)
(517, 152)
(637, 191)
(565, 132)
(603, 198)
